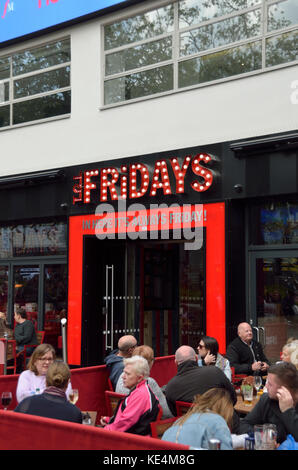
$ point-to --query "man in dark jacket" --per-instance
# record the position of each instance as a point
(114, 361)
(192, 380)
(280, 405)
(24, 331)
(245, 354)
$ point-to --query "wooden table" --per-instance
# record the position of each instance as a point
(242, 408)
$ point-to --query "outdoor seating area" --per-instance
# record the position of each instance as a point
(95, 396)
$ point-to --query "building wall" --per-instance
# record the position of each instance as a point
(251, 106)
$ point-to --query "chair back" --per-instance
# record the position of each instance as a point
(112, 399)
(182, 407)
(111, 388)
(237, 378)
(40, 336)
(159, 426)
(11, 353)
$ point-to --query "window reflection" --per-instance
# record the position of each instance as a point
(3, 288)
(26, 287)
(221, 33)
(282, 14)
(196, 11)
(229, 62)
(33, 240)
(137, 28)
(191, 296)
(275, 223)
(55, 298)
(277, 301)
(281, 49)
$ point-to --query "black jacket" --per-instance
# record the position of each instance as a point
(240, 356)
(192, 380)
(267, 411)
(50, 406)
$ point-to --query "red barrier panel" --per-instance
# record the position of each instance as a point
(92, 383)
(24, 432)
(163, 369)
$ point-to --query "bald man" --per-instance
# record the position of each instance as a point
(192, 379)
(114, 361)
(245, 354)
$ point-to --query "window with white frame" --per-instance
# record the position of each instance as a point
(188, 43)
(35, 84)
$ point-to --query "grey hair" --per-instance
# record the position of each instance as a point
(292, 348)
(139, 364)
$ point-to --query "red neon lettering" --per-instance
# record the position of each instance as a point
(160, 170)
(135, 191)
(106, 183)
(180, 172)
(201, 171)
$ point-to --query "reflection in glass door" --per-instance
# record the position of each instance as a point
(274, 298)
(26, 289)
(3, 289)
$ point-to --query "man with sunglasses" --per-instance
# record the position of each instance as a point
(114, 361)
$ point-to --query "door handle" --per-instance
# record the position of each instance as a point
(264, 335)
(108, 310)
(258, 333)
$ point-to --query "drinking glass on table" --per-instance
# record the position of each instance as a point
(247, 394)
(258, 382)
(73, 396)
(258, 435)
(6, 398)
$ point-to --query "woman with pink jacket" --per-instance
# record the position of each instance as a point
(137, 410)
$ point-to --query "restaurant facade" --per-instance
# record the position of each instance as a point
(149, 177)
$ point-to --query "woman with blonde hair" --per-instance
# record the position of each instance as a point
(33, 380)
(53, 403)
(210, 417)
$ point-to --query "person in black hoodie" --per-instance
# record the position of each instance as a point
(114, 361)
(245, 354)
(193, 380)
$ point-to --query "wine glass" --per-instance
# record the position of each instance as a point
(6, 398)
(258, 382)
(74, 396)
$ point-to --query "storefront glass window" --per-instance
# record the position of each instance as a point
(55, 299)
(3, 288)
(275, 223)
(191, 297)
(277, 302)
(26, 284)
(33, 240)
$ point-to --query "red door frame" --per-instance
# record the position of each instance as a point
(214, 221)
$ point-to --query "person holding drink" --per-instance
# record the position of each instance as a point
(279, 406)
(53, 403)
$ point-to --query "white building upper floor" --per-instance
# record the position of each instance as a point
(156, 76)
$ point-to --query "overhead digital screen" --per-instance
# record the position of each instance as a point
(19, 18)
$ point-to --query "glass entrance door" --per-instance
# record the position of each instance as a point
(273, 298)
(153, 290)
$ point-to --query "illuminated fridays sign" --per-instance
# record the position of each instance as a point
(22, 17)
(135, 180)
